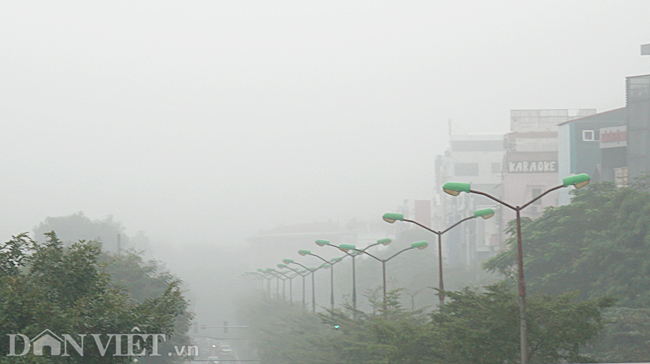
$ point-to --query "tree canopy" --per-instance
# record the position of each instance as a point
(475, 326)
(67, 289)
(599, 245)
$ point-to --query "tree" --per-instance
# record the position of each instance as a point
(64, 289)
(483, 327)
(77, 227)
(598, 245)
(475, 326)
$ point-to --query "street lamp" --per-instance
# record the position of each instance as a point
(455, 188)
(286, 277)
(265, 275)
(313, 286)
(256, 278)
(291, 281)
(353, 254)
(392, 217)
(271, 271)
(303, 274)
(417, 245)
(331, 263)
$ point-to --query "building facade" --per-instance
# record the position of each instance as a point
(638, 125)
(476, 159)
(581, 149)
(531, 159)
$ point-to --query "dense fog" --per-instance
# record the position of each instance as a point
(191, 132)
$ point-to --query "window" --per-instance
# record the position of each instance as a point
(496, 167)
(588, 136)
(537, 192)
(466, 169)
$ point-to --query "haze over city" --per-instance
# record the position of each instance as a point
(190, 127)
(205, 122)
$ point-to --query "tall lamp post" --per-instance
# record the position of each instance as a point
(296, 273)
(256, 277)
(286, 277)
(392, 217)
(268, 278)
(303, 274)
(331, 263)
(455, 188)
(278, 278)
(417, 245)
(313, 286)
(353, 254)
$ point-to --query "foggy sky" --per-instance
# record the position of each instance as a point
(206, 121)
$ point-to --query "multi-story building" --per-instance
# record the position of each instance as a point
(476, 159)
(531, 158)
(581, 149)
(638, 125)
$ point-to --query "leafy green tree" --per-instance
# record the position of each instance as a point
(78, 226)
(598, 245)
(483, 327)
(65, 289)
(473, 327)
(143, 282)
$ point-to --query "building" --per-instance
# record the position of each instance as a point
(476, 159)
(531, 158)
(581, 149)
(638, 125)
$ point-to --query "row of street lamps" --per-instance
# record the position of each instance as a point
(451, 188)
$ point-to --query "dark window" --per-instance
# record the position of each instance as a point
(466, 169)
(537, 192)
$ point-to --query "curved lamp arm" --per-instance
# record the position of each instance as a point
(417, 245)
(307, 252)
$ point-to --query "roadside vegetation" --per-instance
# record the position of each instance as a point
(587, 269)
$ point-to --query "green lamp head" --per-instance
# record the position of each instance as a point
(325, 265)
(346, 247)
(304, 252)
(287, 261)
(261, 270)
(485, 213)
(283, 266)
(385, 241)
(392, 217)
(419, 244)
(455, 188)
(579, 180)
(336, 259)
(322, 242)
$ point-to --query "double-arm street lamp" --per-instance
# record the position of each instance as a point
(278, 278)
(455, 188)
(353, 253)
(392, 217)
(303, 274)
(331, 263)
(268, 277)
(417, 245)
(286, 277)
(313, 286)
(256, 278)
